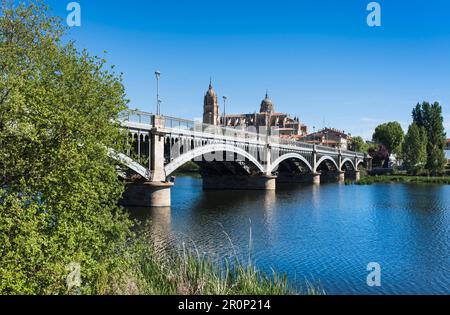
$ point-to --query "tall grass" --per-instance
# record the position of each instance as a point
(187, 272)
(191, 274)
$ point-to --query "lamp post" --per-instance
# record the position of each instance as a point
(314, 134)
(158, 101)
(224, 110)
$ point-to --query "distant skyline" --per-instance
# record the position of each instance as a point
(318, 59)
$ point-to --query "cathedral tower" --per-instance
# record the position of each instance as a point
(211, 107)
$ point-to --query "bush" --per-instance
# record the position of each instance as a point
(59, 187)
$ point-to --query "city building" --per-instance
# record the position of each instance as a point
(281, 124)
(329, 137)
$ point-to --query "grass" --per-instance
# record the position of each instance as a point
(368, 180)
(187, 272)
(191, 274)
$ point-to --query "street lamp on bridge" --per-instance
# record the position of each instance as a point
(224, 110)
(314, 134)
(158, 101)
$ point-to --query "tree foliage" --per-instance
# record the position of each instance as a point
(380, 156)
(415, 149)
(359, 145)
(390, 135)
(58, 187)
(429, 117)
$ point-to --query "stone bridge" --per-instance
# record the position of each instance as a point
(229, 158)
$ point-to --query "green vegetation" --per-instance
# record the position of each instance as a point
(390, 135)
(59, 188)
(429, 118)
(422, 149)
(188, 272)
(359, 145)
(191, 274)
(415, 149)
(368, 180)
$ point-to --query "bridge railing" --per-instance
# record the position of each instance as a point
(327, 149)
(294, 143)
(137, 117)
(174, 123)
(198, 126)
(178, 123)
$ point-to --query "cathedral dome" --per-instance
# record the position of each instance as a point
(267, 105)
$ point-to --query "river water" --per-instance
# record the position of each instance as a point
(325, 234)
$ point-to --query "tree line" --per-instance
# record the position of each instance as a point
(421, 148)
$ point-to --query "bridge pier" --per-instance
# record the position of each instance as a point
(333, 176)
(353, 175)
(299, 179)
(147, 194)
(316, 178)
(341, 176)
(234, 182)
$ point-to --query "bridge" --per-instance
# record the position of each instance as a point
(229, 158)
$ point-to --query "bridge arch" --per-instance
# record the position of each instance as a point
(359, 162)
(288, 156)
(345, 161)
(192, 154)
(325, 158)
(130, 163)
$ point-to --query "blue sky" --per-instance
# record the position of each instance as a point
(318, 59)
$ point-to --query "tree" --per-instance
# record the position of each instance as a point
(58, 187)
(429, 117)
(380, 156)
(390, 135)
(359, 145)
(415, 149)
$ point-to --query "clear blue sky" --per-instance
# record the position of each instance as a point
(318, 59)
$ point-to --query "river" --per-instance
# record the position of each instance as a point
(325, 234)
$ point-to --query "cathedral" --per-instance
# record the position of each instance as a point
(280, 123)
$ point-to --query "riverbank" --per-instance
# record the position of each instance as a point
(192, 274)
(368, 180)
(187, 272)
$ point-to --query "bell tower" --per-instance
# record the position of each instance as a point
(211, 107)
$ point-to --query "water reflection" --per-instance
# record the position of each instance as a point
(315, 191)
(270, 199)
(157, 221)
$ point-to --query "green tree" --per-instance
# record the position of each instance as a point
(58, 187)
(415, 149)
(359, 145)
(390, 135)
(429, 117)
